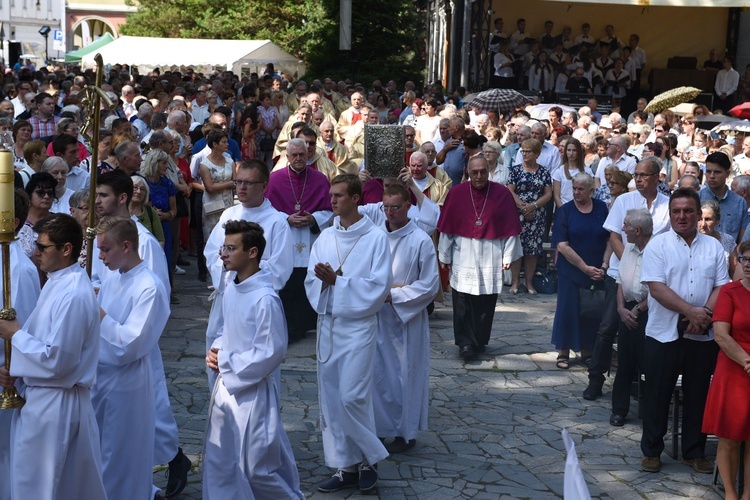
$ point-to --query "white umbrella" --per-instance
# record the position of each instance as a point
(684, 109)
(541, 111)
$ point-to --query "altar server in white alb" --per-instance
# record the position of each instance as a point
(55, 450)
(348, 279)
(402, 363)
(134, 308)
(278, 258)
(113, 193)
(248, 454)
(24, 292)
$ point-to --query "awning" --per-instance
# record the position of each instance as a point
(166, 52)
(76, 55)
(665, 3)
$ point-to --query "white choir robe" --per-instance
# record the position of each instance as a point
(424, 216)
(166, 439)
(277, 259)
(248, 454)
(24, 292)
(303, 239)
(346, 338)
(55, 450)
(136, 306)
(477, 265)
(402, 363)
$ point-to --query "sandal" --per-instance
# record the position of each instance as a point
(563, 361)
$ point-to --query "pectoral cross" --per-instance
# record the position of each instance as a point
(300, 246)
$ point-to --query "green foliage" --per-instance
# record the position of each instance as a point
(387, 36)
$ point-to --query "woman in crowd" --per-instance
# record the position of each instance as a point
(216, 172)
(105, 145)
(583, 244)
(572, 165)
(41, 191)
(268, 129)
(381, 107)
(280, 104)
(140, 209)
(709, 219)
(416, 112)
(58, 168)
(70, 127)
(498, 172)
(250, 123)
(618, 184)
(531, 186)
(727, 414)
(21, 135)
(78, 204)
(590, 154)
(427, 124)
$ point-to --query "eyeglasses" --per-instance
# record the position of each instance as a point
(658, 130)
(83, 208)
(392, 208)
(526, 152)
(227, 249)
(42, 247)
(641, 176)
(247, 183)
(45, 192)
(742, 259)
(410, 135)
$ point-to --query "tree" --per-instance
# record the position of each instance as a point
(387, 36)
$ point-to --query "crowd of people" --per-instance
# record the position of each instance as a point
(643, 218)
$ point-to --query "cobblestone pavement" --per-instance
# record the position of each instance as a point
(495, 422)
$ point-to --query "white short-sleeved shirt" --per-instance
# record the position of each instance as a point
(566, 185)
(692, 272)
(624, 163)
(659, 212)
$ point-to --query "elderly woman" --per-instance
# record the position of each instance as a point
(582, 243)
(58, 168)
(531, 186)
(727, 413)
(78, 205)
(141, 209)
(708, 221)
(41, 191)
(618, 184)
(572, 165)
(498, 172)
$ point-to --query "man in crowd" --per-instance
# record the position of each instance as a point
(645, 196)
(742, 160)
(277, 259)
(301, 193)
(57, 426)
(727, 83)
(128, 157)
(346, 127)
(451, 157)
(245, 427)
(617, 148)
(348, 297)
(402, 362)
(303, 115)
(128, 96)
(550, 155)
(427, 184)
(134, 309)
(684, 270)
(199, 106)
(734, 218)
(429, 150)
(335, 151)
(523, 133)
(316, 157)
(443, 135)
(44, 123)
(474, 243)
(66, 147)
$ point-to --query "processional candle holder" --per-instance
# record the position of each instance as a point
(9, 399)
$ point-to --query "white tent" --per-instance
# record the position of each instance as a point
(667, 3)
(161, 52)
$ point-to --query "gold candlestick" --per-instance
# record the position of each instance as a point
(9, 399)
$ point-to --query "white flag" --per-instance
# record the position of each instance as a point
(574, 485)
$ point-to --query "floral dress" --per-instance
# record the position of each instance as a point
(219, 174)
(267, 115)
(529, 188)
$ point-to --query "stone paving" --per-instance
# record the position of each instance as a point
(495, 422)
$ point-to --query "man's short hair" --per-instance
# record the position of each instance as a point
(120, 229)
(118, 181)
(654, 164)
(686, 193)
(641, 218)
(743, 181)
(158, 121)
(32, 148)
(61, 143)
(307, 132)
(21, 204)
(397, 190)
(62, 229)
(252, 234)
(693, 180)
(157, 137)
(418, 155)
(122, 149)
(41, 96)
(720, 159)
(353, 184)
(258, 165)
(298, 143)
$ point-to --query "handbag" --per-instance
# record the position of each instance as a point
(182, 206)
(545, 281)
(214, 205)
(591, 302)
(267, 144)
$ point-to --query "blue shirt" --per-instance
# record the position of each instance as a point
(455, 163)
(509, 155)
(733, 211)
(234, 148)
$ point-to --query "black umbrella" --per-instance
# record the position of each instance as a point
(500, 100)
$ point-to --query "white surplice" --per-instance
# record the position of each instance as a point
(402, 363)
(135, 304)
(277, 259)
(424, 216)
(24, 292)
(477, 264)
(55, 450)
(248, 454)
(166, 438)
(346, 337)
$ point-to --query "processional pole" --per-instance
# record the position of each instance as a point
(93, 98)
(9, 399)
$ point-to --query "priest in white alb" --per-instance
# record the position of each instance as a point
(55, 450)
(134, 308)
(479, 230)
(248, 454)
(251, 179)
(402, 363)
(348, 279)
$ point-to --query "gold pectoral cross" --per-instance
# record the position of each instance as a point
(299, 246)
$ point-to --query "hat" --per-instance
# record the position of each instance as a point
(605, 123)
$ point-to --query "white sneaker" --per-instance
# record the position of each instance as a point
(178, 270)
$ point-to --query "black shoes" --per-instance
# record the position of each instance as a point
(400, 445)
(368, 477)
(339, 481)
(466, 351)
(592, 392)
(177, 474)
(617, 420)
